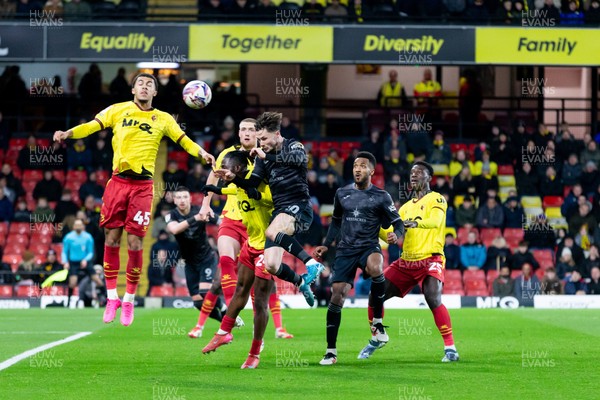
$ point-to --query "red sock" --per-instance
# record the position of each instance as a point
(207, 306)
(111, 266)
(371, 312)
(255, 348)
(275, 307)
(134, 270)
(228, 277)
(442, 320)
(227, 324)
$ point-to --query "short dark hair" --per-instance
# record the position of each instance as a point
(425, 165)
(251, 120)
(237, 157)
(182, 188)
(368, 156)
(145, 75)
(270, 120)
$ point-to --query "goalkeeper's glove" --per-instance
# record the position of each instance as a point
(211, 188)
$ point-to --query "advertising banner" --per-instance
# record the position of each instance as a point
(19, 42)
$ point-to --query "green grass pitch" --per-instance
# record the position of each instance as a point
(505, 354)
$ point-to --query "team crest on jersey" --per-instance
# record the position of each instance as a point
(154, 118)
(296, 145)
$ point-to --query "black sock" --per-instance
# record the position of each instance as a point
(285, 273)
(292, 246)
(377, 295)
(216, 313)
(334, 318)
(69, 294)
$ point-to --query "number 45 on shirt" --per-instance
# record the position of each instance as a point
(142, 220)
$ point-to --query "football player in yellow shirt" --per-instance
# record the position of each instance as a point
(127, 203)
(422, 260)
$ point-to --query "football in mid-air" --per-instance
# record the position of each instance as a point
(197, 94)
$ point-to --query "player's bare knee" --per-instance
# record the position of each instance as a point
(374, 270)
(134, 242)
(434, 300)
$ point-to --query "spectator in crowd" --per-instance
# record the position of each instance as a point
(90, 292)
(91, 187)
(24, 158)
(592, 261)
(596, 204)
(90, 87)
(323, 288)
(49, 266)
(523, 256)
(288, 129)
(590, 178)
(452, 252)
(160, 223)
(575, 284)
(464, 184)
(470, 102)
(57, 158)
(102, 156)
(472, 253)
(550, 283)
(164, 256)
(6, 273)
(508, 14)
(312, 8)
(583, 238)
(477, 11)
(539, 234)
(459, 162)
(373, 145)
(485, 164)
(196, 178)
(226, 138)
(502, 152)
(43, 212)
(313, 186)
(450, 211)
(427, 93)
(327, 190)
(211, 8)
(490, 215)
(527, 285)
(576, 251)
(583, 217)
(418, 143)
(11, 181)
(392, 93)
(119, 88)
(79, 156)
(267, 8)
(594, 282)
(570, 204)
(592, 15)
(6, 208)
(79, 10)
(527, 181)
(336, 12)
(65, 206)
(8, 8)
(485, 182)
(466, 213)
(566, 264)
(336, 162)
(572, 170)
(173, 177)
(441, 185)
(54, 9)
(514, 215)
(392, 186)
(591, 152)
(498, 255)
(441, 153)
(22, 214)
(503, 285)
(8, 192)
(26, 272)
(349, 166)
(395, 165)
(572, 16)
(49, 187)
(323, 170)
(77, 256)
(551, 184)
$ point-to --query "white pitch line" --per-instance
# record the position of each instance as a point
(13, 360)
(34, 332)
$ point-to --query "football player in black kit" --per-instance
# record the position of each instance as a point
(200, 259)
(283, 163)
(360, 210)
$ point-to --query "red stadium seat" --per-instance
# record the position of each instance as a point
(28, 186)
(76, 175)
(20, 228)
(552, 201)
(540, 273)
(59, 175)
(28, 291)
(379, 181)
(453, 284)
(39, 249)
(178, 156)
(516, 273)
(544, 257)
(470, 275)
(57, 247)
(566, 191)
(475, 284)
(15, 248)
(73, 185)
(3, 228)
(6, 291)
(489, 234)
(161, 291)
(506, 170)
(13, 259)
(181, 291)
(514, 234)
(33, 175)
(478, 292)
(197, 198)
(463, 233)
(18, 238)
(453, 274)
(491, 276)
(55, 291)
(212, 230)
(102, 177)
(2, 240)
(17, 143)
(453, 291)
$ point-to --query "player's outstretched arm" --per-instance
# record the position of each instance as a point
(59, 136)
(435, 220)
(177, 227)
(80, 131)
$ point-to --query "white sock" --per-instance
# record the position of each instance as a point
(312, 261)
(222, 332)
(129, 297)
(112, 294)
(377, 321)
(450, 347)
(333, 351)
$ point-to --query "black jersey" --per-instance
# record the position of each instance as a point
(193, 242)
(362, 213)
(285, 172)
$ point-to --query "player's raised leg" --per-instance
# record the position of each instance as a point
(229, 247)
(432, 289)
(112, 245)
(374, 269)
(262, 289)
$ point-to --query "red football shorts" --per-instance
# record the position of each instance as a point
(255, 260)
(127, 203)
(406, 274)
(234, 229)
